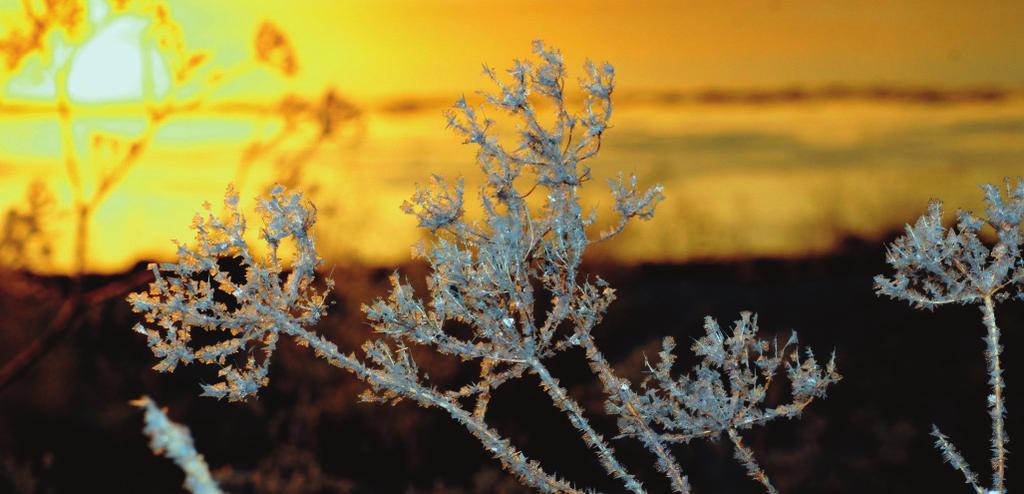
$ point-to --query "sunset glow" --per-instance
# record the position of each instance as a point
(778, 129)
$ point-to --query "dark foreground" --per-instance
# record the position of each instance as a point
(66, 426)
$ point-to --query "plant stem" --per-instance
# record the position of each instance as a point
(514, 461)
(652, 440)
(605, 453)
(997, 409)
(746, 457)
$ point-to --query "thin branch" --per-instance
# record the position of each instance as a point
(512, 459)
(746, 457)
(769, 415)
(953, 457)
(605, 453)
(666, 463)
(997, 409)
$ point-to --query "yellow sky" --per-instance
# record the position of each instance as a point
(741, 180)
(384, 48)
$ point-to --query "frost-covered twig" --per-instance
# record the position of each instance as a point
(621, 399)
(174, 441)
(935, 265)
(724, 393)
(954, 458)
(745, 456)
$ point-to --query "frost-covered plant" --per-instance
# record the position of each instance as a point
(494, 275)
(175, 442)
(726, 391)
(936, 266)
(185, 296)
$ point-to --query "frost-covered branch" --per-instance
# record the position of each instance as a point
(935, 265)
(725, 392)
(621, 399)
(745, 456)
(954, 458)
(175, 442)
(198, 294)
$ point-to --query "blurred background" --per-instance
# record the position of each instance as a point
(793, 140)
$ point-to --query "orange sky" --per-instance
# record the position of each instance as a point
(398, 48)
(385, 48)
(746, 180)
